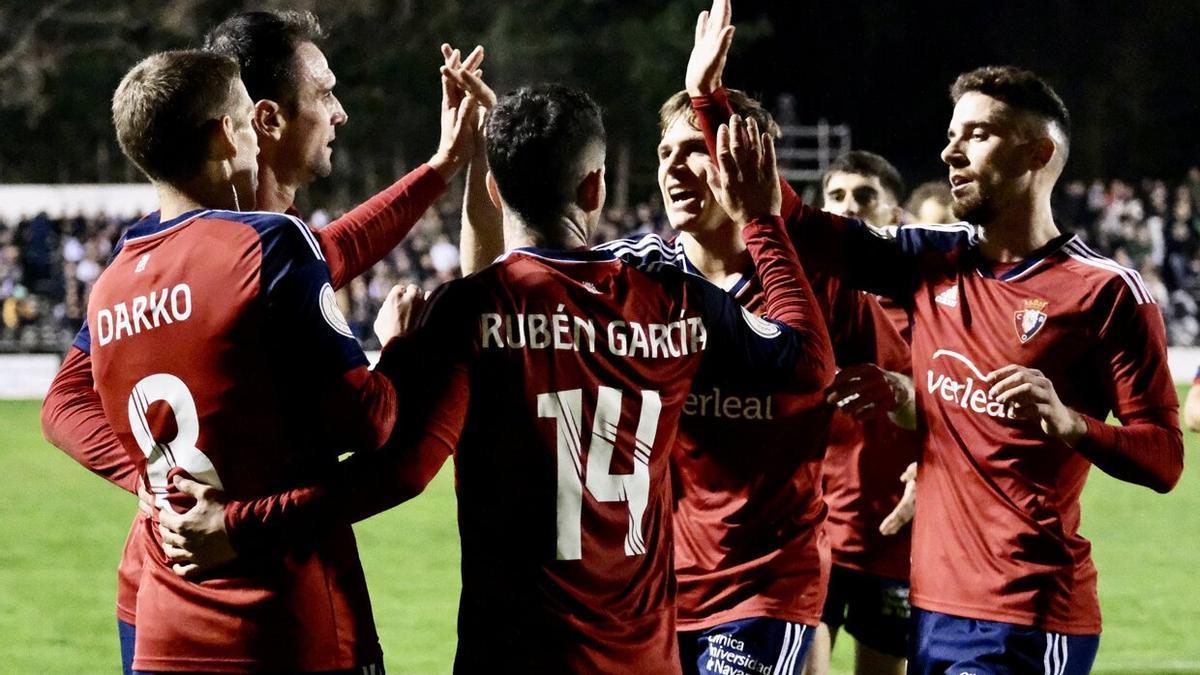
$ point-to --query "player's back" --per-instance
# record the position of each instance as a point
(201, 369)
(581, 368)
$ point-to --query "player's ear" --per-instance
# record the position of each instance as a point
(268, 119)
(222, 143)
(1042, 152)
(589, 195)
(493, 190)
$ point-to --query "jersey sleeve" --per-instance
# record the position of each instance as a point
(1147, 448)
(73, 421)
(356, 241)
(429, 368)
(847, 247)
(792, 347)
(305, 319)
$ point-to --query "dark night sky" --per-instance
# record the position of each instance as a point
(1127, 71)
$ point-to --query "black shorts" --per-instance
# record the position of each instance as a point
(874, 609)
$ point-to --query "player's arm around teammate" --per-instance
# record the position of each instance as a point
(800, 356)
(1146, 449)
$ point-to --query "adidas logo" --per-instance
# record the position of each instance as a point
(141, 264)
(948, 297)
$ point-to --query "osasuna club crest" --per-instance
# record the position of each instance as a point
(1031, 319)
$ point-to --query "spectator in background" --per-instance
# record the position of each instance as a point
(1151, 227)
(930, 203)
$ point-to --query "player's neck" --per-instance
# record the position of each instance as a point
(1015, 233)
(568, 235)
(717, 254)
(274, 192)
(176, 200)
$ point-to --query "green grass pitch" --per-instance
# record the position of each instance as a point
(61, 531)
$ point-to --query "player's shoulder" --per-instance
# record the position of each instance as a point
(278, 231)
(645, 248)
(937, 238)
(1104, 275)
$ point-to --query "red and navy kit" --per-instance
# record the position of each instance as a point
(996, 530)
(557, 381)
(223, 365)
(74, 421)
(747, 476)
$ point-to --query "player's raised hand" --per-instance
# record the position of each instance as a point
(714, 35)
(196, 541)
(744, 178)
(459, 118)
(398, 315)
(865, 390)
(1032, 397)
(468, 75)
(907, 508)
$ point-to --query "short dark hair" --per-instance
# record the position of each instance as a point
(1018, 88)
(264, 45)
(536, 138)
(680, 106)
(165, 106)
(868, 164)
(934, 189)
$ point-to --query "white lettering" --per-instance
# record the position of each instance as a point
(104, 326)
(143, 313)
(489, 330)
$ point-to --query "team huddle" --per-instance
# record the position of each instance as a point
(690, 455)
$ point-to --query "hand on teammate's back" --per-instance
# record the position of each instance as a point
(744, 178)
(399, 312)
(196, 541)
(714, 34)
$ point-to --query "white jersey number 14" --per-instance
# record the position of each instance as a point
(566, 408)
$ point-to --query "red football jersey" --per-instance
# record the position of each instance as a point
(195, 360)
(557, 380)
(996, 531)
(350, 244)
(861, 472)
(747, 476)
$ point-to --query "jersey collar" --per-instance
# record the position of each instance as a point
(985, 267)
(576, 255)
(151, 225)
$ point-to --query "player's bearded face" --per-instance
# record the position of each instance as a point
(986, 152)
(306, 143)
(682, 157)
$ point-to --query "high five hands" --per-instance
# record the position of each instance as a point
(744, 178)
(459, 114)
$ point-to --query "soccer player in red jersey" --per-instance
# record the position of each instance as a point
(869, 505)
(557, 377)
(750, 556)
(191, 371)
(1024, 341)
(296, 116)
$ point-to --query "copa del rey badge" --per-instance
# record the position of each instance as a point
(1031, 319)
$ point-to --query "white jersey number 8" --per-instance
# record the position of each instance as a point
(181, 452)
(566, 408)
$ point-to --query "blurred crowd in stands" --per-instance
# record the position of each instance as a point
(48, 265)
